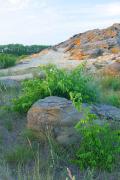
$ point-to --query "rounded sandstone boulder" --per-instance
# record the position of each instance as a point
(57, 115)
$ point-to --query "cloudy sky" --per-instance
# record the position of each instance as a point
(53, 21)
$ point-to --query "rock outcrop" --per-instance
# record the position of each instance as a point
(93, 43)
(59, 116)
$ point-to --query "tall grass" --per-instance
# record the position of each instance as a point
(110, 90)
(111, 82)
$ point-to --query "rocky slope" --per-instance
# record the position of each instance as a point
(99, 49)
(94, 43)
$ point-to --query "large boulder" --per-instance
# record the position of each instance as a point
(58, 116)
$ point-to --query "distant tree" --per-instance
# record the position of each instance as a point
(19, 49)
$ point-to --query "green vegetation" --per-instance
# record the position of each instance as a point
(110, 90)
(58, 82)
(29, 134)
(7, 60)
(12, 53)
(113, 99)
(8, 125)
(20, 50)
(111, 82)
(100, 146)
(96, 153)
(20, 154)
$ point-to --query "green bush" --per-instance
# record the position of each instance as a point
(57, 83)
(99, 146)
(7, 60)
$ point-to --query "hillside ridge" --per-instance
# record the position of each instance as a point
(93, 43)
(98, 48)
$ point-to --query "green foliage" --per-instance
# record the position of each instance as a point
(7, 60)
(11, 53)
(19, 49)
(58, 82)
(76, 99)
(99, 146)
(20, 154)
(32, 91)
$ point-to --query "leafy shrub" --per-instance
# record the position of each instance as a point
(31, 92)
(57, 83)
(99, 147)
(7, 60)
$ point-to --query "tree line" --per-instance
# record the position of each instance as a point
(19, 49)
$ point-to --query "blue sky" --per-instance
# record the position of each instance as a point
(53, 21)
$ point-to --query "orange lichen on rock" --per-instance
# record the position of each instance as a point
(110, 33)
(78, 55)
(90, 36)
(77, 42)
(115, 50)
